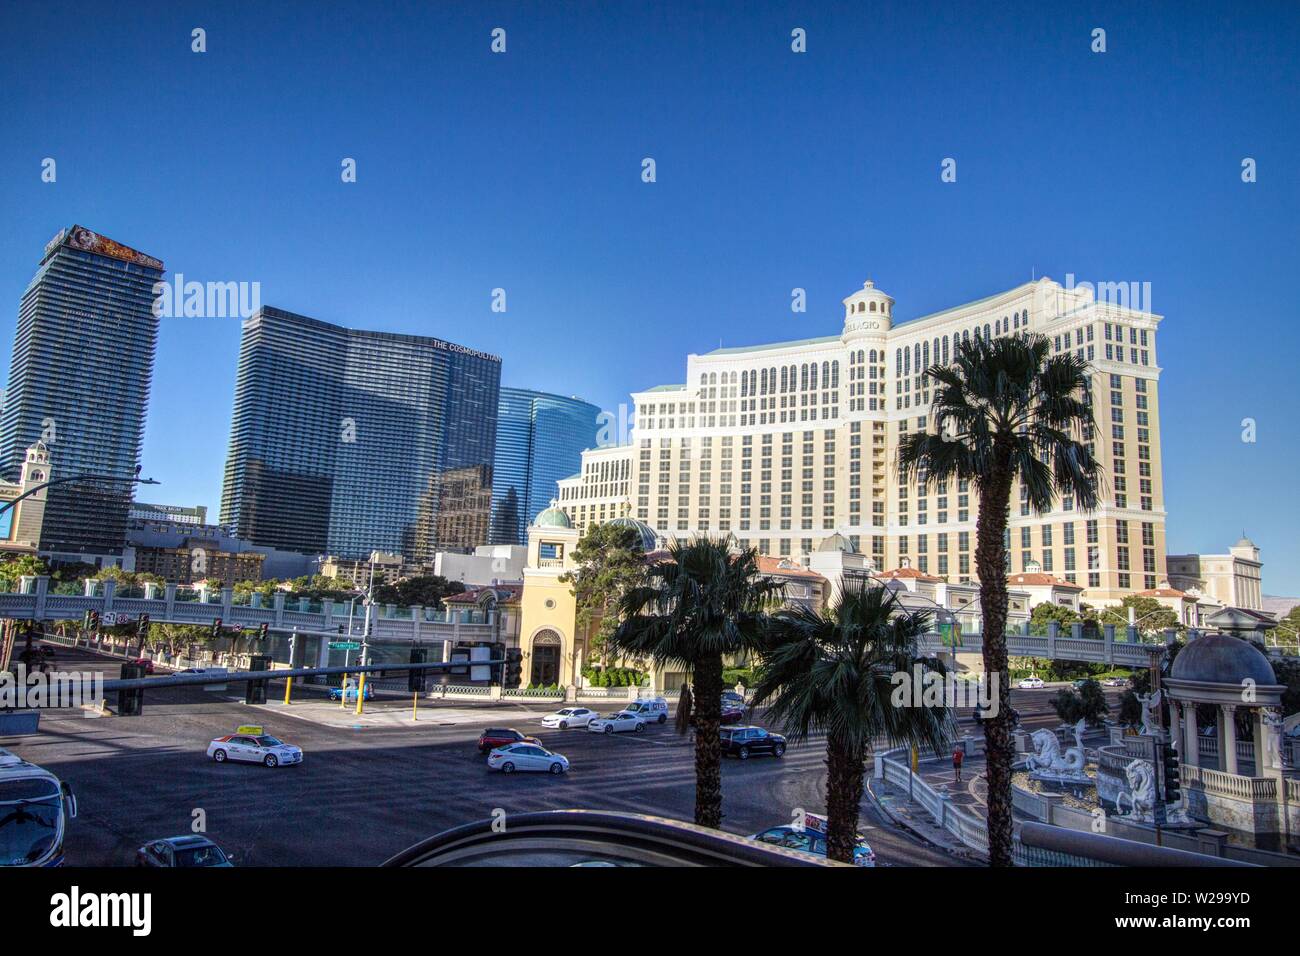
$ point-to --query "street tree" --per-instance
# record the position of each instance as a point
(1006, 412)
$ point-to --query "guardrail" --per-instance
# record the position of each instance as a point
(970, 829)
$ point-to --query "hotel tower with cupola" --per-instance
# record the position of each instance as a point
(787, 444)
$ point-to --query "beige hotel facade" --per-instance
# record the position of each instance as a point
(785, 445)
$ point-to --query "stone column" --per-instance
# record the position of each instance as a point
(1228, 739)
(1193, 757)
(1176, 739)
(1108, 643)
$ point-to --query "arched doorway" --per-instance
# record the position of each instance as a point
(546, 659)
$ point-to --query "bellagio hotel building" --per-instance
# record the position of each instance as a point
(785, 445)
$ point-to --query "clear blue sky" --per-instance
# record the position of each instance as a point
(775, 170)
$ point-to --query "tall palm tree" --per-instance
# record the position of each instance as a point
(837, 673)
(701, 604)
(1005, 411)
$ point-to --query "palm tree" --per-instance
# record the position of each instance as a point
(699, 605)
(837, 673)
(1005, 411)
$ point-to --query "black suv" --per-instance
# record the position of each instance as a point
(745, 741)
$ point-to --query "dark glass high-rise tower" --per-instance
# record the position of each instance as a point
(540, 439)
(79, 381)
(345, 441)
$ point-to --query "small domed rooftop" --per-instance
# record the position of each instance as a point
(1221, 659)
(553, 517)
(649, 538)
(836, 542)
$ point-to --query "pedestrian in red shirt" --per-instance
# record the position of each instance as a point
(957, 756)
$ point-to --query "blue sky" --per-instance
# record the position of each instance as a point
(775, 170)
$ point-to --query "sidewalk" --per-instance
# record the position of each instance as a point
(911, 816)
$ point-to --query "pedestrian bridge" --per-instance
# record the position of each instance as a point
(284, 613)
(174, 604)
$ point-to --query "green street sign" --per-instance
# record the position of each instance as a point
(345, 646)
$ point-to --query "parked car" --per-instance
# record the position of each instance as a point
(812, 839)
(182, 852)
(527, 757)
(1115, 682)
(493, 738)
(568, 717)
(1030, 683)
(336, 693)
(622, 721)
(649, 709)
(746, 741)
(731, 698)
(148, 664)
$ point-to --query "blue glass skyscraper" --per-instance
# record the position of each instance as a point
(346, 441)
(79, 381)
(540, 439)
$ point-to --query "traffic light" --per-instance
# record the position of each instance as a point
(143, 627)
(94, 620)
(416, 679)
(264, 631)
(1173, 789)
(216, 628)
(514, 668)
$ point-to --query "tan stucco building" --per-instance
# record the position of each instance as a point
(789, 444)
(1233, 579)
(20, 524)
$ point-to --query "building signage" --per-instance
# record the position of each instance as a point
(82, 238)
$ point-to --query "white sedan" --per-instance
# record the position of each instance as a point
(254, 748)
(620, 722)
(569, 717)
(1030, 683)
(525, 756)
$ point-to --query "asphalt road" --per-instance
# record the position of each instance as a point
(361, 795)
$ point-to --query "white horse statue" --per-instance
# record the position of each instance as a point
(1047, 752)
(1141, 777)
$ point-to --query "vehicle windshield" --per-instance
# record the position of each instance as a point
(268, 741)
(30, 811)
(200, 856)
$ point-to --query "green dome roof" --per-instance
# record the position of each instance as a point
(553, 517)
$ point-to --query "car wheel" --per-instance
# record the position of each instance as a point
(507, 767)
(557, 768)
(663, 718)
(609, 728)
(271, 761)
(564, 725)
(743, 753)
(640, 727)
(219, 756)
(778, 750)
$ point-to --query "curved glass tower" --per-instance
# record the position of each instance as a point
(540, 439)
(79, 381)
(345, 442)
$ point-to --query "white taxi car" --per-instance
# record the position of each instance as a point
(1030, 683)
(251, 745)
(616, 723)
(569, 717)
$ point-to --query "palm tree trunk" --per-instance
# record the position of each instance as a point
(707, 710)
(844, 768)
(990, 564)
